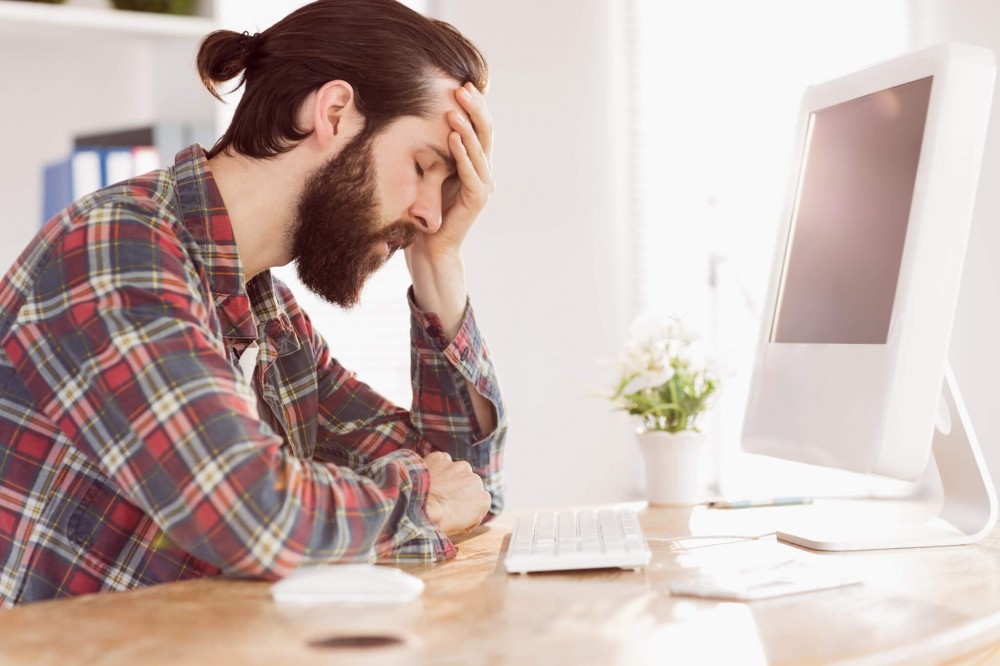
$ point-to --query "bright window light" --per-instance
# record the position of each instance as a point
(717, 90)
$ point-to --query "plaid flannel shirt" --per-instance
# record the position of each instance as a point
(134, 452)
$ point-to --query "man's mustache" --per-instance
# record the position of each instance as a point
(399, 235)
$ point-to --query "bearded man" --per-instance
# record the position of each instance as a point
(169, 411)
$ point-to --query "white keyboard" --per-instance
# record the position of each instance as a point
(583, 539)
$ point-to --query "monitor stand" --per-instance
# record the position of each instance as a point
(969, 510)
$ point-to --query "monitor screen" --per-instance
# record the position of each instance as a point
(850, 216)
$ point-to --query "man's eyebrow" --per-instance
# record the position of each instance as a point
(445, 157)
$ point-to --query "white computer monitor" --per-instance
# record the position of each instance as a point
(852, 369)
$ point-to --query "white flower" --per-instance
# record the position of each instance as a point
(648, 365)
(648, 380)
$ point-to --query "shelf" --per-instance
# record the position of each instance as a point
(34, 21)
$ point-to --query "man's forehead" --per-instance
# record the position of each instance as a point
(444, 93)
(430, 131)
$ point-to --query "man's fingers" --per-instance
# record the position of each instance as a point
(475, 104)
(470, 178)
(473, 148)
(482, 503)
(437, 459)
(438, 455)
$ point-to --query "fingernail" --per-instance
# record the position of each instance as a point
(460, 117)
(466, 94)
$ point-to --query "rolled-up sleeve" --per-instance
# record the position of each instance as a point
(442, 373)
(358, 425)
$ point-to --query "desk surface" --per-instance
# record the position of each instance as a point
(922, 605)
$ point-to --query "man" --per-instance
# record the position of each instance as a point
(167, 411)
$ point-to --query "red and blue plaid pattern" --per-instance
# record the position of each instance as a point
(132, 450)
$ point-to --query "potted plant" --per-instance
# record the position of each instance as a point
(179, 7)
(666, 384)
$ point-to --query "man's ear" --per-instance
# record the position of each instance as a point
(335, 115)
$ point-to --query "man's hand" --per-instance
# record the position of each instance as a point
(465, 194)
(456, 502)
(471, 144)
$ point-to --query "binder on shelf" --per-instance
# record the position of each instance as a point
(167, 137)
(145, 159)
(87, 170)
(69, 179)
(103, 159)
(117, 165)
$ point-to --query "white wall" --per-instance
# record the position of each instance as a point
(37, 95)
(975, 353)
(546, 260)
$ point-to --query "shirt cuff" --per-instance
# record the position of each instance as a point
(467, 352)
(416, 538)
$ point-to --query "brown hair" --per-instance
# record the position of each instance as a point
(386, 51)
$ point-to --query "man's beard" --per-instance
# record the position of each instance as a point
(337, 238)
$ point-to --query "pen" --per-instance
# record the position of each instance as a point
(747, 504)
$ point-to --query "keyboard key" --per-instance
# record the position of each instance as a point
(609, 524)
(614, 545)
(567, 525)
(635, 541)
(525, 528)
(546, 528)
(627, 516)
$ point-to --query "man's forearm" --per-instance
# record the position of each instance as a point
(440, 288)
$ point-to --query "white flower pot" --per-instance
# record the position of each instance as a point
(673, 466)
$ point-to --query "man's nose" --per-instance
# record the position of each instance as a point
(426, 213)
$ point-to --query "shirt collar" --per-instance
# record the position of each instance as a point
(245, 312)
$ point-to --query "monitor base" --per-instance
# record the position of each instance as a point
(969, 510)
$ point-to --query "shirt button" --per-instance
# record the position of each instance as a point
(433, 331)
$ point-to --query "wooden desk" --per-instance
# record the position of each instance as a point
(915, 606)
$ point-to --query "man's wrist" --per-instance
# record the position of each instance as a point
(439, 287)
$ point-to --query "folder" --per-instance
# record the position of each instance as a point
(168, 137)
(117, 165)
(69, 179)
(145, 159)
